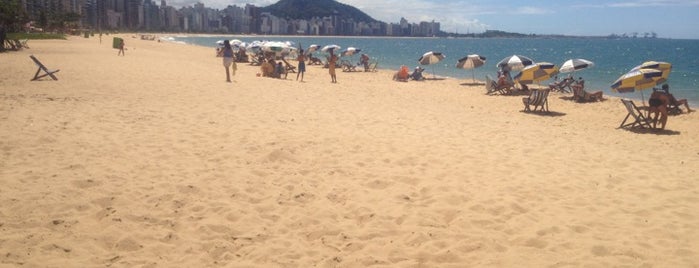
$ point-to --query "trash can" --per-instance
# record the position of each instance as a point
(116, 42)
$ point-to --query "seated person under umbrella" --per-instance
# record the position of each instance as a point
(417, 74)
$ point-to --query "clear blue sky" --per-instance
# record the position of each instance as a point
(667, 18)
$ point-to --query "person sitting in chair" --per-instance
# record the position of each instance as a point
(657, 105)
(675, 102)
(417, 74)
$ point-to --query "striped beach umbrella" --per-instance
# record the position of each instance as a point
(573, 65)
(638, 80)
(514, 62)
(536, 73)
(330, 48)
(430, 58)
(471, 62)
(664, 67)
(350, 51)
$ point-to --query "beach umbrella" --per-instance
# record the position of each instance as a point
(536, 73)
(573, 65)
(219, 42)
(471, 62)
(664, 67)
(638, 80)
(430, 58)
(329, 48)
(350, 51)
(514, 62)
(312, 48)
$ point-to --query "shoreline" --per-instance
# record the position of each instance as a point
(152, 159)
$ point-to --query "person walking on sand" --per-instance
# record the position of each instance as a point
(302, 65)
(227, 54)
(121, 48)
(331, 66)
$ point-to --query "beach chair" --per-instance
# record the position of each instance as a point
(492, 87)
(538, 99)
(372, 66)
(563, 86)
(24, 42)
(289, 68)
(347, 66)
(42, 68)
(314, 61)
(639, 120)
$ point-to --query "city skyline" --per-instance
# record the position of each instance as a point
(667, 18)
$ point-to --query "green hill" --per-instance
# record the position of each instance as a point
(307, 9)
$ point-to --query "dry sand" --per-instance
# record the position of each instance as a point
(152, 160)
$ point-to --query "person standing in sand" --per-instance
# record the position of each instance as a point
(331, 66)
(227, 53)
(302, 65)
(121, 48)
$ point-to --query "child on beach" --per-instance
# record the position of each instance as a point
(121, 48)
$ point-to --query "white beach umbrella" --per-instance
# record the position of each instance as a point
(514, 62)
(332, 48)
(573, 65)
(312, 48)
(350, 51)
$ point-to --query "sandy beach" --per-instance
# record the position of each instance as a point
(153, 160)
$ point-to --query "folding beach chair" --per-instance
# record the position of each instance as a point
(538, 99)
(42, 68)
(639, 119)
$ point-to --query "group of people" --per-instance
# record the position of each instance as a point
(661, 103)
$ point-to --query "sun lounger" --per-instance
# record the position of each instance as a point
(41, 66)
(538, 99)
(639, 120)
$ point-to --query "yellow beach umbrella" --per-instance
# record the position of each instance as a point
(638, 80)
(664, 67)
(536, 73)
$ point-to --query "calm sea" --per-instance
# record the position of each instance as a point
(612, 58)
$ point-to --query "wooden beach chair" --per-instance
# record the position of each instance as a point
(41, 66)
(538, 99)
(289, 68)
(347, 66)
(372, 66)
(639, 120)
(492, 87)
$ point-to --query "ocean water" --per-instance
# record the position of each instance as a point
(612, 58)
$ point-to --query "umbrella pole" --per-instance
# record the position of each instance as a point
(434, 76)
(473, 75)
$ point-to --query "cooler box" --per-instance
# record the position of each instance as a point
(116, 41)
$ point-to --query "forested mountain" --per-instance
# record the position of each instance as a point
(307, 9)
